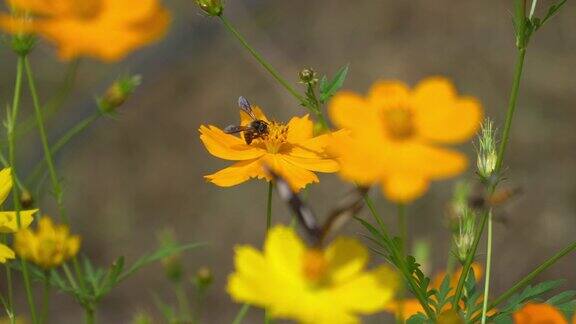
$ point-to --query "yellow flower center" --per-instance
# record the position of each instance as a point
(315, 266)
(399, 123)
(277, 135)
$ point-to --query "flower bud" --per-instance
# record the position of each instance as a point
(26, 200)
(172, 264)
(203, 278)
(487, 156)
(23, 44)
(308, 76)
(465, 234)
(118, 93)
(211, 7)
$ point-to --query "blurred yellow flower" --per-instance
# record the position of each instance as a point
(103, 29)
(411, 306)
(396, 133)
(48, 247)
(291, 150)
(311, 285)
(536, 313)
(9, 219)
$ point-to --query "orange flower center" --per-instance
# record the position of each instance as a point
(315, 265)
(399, 123)
(277, 135)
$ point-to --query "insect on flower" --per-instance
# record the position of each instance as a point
(257, 128)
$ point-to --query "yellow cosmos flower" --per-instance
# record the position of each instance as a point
(48, 247)
(396, 135)
(310, 285)
(103, 29)
(291, 150)
(8, 219)
(536, 313)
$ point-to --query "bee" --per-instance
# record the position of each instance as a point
(257, 128)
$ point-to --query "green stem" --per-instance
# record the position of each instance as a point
(521, 29)
(12, 161)
(183, 302)
(528, 278)
(90, 314)
(488, 270)
(45, 298)
(532, 9)
(401, 261)
(269, 206)
(45, 145)
(241, 314)
(511, 109)
(62, 141)
(260, 59)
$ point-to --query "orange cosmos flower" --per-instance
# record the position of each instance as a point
(291, 150)
(533, 313)
(396, 135)
(103, 29)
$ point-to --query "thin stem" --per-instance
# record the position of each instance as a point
(401, 261)
(61, 142)
(45, 298)
(90, 315)
(260, 59)
(488, 270)
(269, 206)
(241, 314)
(12, 161)
(183, 302)
(532, 9)
(511, 108)
(45, 145)
(522, 283)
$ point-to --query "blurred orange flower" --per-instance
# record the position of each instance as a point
(533, 313)
(103, 29)
(292, 150)
(396, 135)
(411, 306)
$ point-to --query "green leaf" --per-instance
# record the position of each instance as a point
(552, 11)
(328, 89)
(156, 256)
(530, 293)
(417, 319)
(561, 298)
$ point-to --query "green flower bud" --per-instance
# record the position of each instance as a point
(487, 156)
(211, 7)
(308, 76)
(118, 93)
(203, 278)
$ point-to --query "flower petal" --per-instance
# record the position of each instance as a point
(5, 184)
(227, 146)
(404, 188)
(314, 164)
(237, 173)
(296, 176)
(6, 253)
(349, 110)
(389, 94)
(300, 129)
(9, 221)
(443, 117)
(283, 251)
(369, 292)
(250, 264)
(358, 161)
(346, 258)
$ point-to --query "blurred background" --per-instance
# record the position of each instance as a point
(127, 179)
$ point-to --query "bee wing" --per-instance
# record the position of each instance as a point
(346, 210)
(244, 104)
(233, 129)
(304, 214)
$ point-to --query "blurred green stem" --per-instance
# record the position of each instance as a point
(56, 186)
(521, 39)
(45, 298)
(532, 9)
(241, 314)
(488, 270)
(183, 302)
(11, 124)
(403, 227)
(269, 206)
